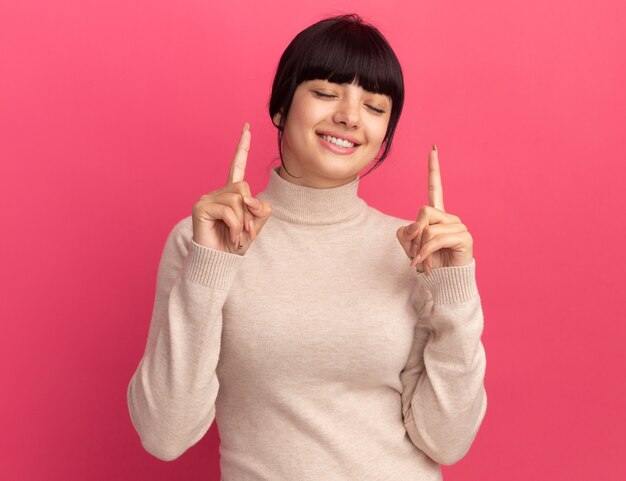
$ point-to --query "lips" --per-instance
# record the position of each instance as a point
(339, 136)
(336, 149)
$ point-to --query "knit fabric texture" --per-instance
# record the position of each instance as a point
(320, 353)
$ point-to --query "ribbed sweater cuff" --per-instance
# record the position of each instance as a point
(211, 267)
(451, 285)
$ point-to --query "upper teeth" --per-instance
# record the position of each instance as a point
(336, 141)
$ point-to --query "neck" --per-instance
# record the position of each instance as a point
(317, 183)
(309, 205)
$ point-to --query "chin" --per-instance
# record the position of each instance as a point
(338, 168)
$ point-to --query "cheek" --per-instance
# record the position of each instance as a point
(381, 131)
(299, 125)
(294, 133)
(291, 130)
(378, 135)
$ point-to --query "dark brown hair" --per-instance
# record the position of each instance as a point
(342, 49)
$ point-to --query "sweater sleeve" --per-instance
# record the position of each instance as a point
(444, 399)
(171, 396)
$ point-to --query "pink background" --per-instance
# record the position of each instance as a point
(116, 116)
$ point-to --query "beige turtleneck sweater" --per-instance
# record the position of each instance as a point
(320, 353)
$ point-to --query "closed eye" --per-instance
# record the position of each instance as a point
(380, 111)
(323, 95)
(330, 96)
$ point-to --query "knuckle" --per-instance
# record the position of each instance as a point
(425, 210)
(236, 198)
(199, 206)
(243, 186)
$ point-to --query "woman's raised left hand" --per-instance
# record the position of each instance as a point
(437, 238)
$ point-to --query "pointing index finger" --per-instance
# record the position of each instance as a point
(238, 166)
(435, 188)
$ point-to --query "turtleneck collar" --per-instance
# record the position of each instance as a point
(308, 205)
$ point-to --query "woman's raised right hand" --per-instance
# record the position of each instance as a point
(229, 219)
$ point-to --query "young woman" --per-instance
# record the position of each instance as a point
(296, 319)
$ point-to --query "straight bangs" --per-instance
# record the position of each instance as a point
(341, 50)
(351, 55)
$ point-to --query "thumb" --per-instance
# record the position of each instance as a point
(258, 207)
(405, 235)
(261, 210)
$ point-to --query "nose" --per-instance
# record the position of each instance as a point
(348, 113)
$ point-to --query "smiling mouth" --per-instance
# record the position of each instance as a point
(346, 144)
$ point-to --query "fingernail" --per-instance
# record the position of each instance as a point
(410, 229)
(418, 257)
(246, 126)
(434, 147)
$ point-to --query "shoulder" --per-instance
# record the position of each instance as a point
(382, 219)
(388, 258)
(381, 230)
(183, 226)
(179, 237)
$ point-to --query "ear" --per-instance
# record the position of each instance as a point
(276, 119)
